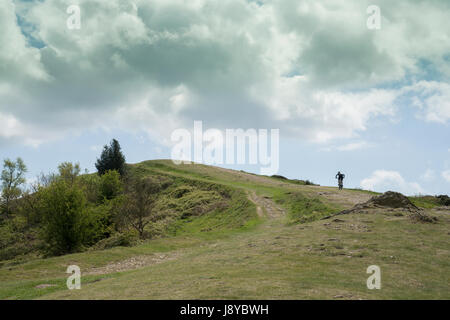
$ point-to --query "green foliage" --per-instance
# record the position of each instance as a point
(118, 239)
(69, 172)
(90, 184)
(97, 223)
(12, 177)
(444, 200)
(429, 202)
(16, 238)
(70, 223)
(64, 224)
(30, 206)
(110, 185)
(138, 206)
(277, 176)
(111, 158)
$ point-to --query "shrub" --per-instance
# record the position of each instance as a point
(90, 183)
(17, 238)
(110, 185)
(444, 200)
(125, 239)
(97, 223)
(63, 228)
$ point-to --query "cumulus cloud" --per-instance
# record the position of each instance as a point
(446, 175)
(17, 59)
(385, 180)
(432, 98)
(306, 67)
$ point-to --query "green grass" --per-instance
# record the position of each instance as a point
(306, 261)
(302, 208)
(427, 202)
(239, 214)
(216, 247)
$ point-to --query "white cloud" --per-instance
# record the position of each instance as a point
(308, 67)
(428, 175)
(384, 180)
(323, 115)
(14, 130)
(446, 175)
(433, 100)
(17, 59)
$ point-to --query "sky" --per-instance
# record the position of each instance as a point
(372, 102)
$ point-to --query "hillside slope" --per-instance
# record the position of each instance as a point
(266, 242)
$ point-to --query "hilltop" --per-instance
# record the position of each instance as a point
(235, 235)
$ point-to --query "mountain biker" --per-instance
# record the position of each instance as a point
(340, 176)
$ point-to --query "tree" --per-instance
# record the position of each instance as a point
(63, 206)
(69, 171)
(110, 185)
(13, 177)
(138, 205)
(111, 158)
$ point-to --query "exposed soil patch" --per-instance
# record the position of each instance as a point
(345, 198)
(133, 263)
(45, 285)
(392, 201)
(442, 209)
(271, 209)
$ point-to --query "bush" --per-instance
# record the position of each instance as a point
(64, 227)
(90, 183)
(97, 223)
(126, 239)
(279, 177)
(110, 185)
(16, 238)
(444, 200)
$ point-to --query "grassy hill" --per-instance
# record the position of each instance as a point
(234, 235)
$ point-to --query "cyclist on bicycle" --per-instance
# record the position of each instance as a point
(340, 176)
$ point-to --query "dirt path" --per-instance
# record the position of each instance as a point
(345, 198)
(265, 207)
(133, 263)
